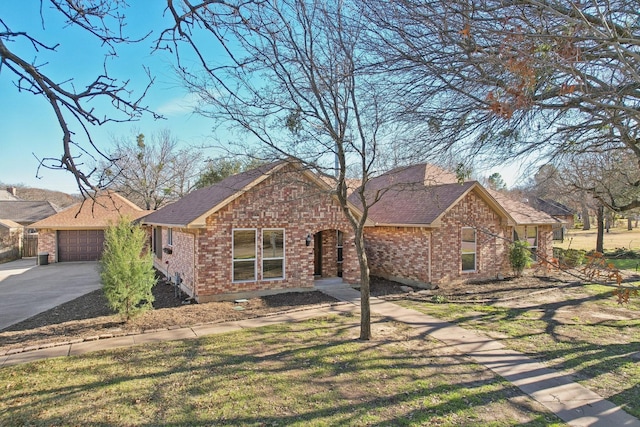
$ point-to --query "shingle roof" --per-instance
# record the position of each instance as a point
(24, 211)
(551, 207)
(521, 212)
(197, 204)
(107, 209)
(417, 205)
(417, 195)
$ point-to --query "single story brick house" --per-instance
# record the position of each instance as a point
(77, 233)
(430, 229)
(268, 230)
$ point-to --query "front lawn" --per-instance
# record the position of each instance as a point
(585, 334)
(309, 373)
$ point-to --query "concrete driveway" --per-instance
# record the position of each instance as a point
(27, 289)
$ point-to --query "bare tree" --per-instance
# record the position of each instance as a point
(76, 107)
(152, 173)
(506, 78)
(298, 80)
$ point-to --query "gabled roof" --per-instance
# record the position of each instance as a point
(193, 209)
(26, 212)
(106, 209)
(411, 196)
(551, 207)
(522, 213)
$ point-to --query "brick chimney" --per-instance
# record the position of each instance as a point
(13, 191)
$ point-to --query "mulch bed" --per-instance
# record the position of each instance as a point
(89, 316)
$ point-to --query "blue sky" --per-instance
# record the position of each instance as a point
(28, 126)
(27, 123)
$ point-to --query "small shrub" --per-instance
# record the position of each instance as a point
(439, 299)
(574, 257)
(126, 271)
(519, 257)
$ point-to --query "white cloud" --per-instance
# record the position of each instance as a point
(185, 104)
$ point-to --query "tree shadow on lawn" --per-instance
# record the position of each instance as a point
(312, 371)
(586, 354)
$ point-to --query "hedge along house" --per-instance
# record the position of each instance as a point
(430, 229)
(273, 229)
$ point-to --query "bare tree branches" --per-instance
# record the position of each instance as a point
(506, 78)
(75, 107)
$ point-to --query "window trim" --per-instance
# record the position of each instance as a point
(264, 258)
(254, 259)
(475, 250)
(169, 236)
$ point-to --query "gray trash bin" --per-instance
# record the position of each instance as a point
(43, 258)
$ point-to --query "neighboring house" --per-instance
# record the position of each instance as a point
(26, 212)
(268, 230)
(532, 225)
(10, 239)
(77, 233)
(9, 194)
(557, 210)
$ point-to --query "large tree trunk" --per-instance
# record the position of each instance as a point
(600, 236)
(365, 308)
(629, 224)
(586, 224)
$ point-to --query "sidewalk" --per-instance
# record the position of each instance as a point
(573, 403)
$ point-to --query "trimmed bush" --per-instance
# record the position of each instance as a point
(126, 270)
(519, 257)
(570, 257)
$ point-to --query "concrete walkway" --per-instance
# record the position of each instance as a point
(27, 289)
(572, 402)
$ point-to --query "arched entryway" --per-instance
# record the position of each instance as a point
(328, 253)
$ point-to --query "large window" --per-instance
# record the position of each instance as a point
(273, 254)
(468, 249)
(244, 255)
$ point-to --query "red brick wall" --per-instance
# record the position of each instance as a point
(181, 259)
(48, 242)
(403, 252)
(282, 202)
(398, 253)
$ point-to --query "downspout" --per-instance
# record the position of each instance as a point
(429, 256)
(196, 254)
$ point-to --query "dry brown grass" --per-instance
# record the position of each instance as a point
(616, 238)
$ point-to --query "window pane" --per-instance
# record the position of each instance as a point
(340, 238)
(244, 244)
(532, 236)
(244, 270)
(273, 243)
(272, 269)
(468, 262)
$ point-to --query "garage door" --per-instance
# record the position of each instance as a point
(80, 245)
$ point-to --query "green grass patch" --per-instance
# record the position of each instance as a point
(625, 264)
(585, 337)
(313, 373)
